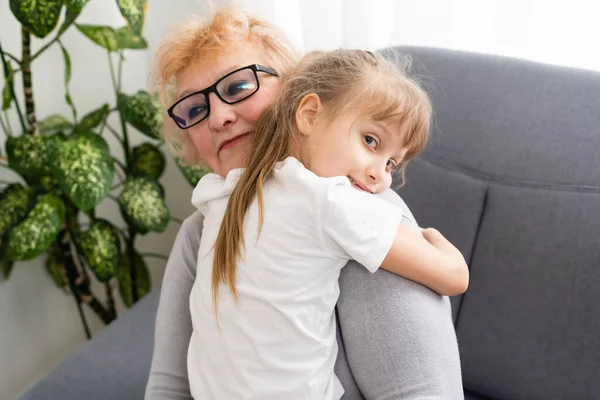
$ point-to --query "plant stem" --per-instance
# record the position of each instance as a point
(132, 266)
(12, 90)
(120, 74)
(114, 132)
(161, 256)
(71, 276)
(180, 222)
(10, 130)
(118, 185)
(27, 85)
(120, 164)
(117, 88)
(50, 43)
(4, 127)
(15, 59)
(110, 299)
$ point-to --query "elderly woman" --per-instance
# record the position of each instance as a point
(396, 338)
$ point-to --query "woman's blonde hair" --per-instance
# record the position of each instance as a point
(345, 81)
(199, 40)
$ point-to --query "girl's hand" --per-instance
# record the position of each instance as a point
(430, 259)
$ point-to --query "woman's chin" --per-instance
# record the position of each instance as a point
(236, 157)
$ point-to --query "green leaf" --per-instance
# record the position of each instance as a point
(39, 16)
(27, 156)
(76, 5)
(143, 206)
(74, 8)
(68, 98)
(142, 276)
(7, 97)
(15, 202)
(127, 40)
(134, 12)
(192, 173)
(84, 169)
(57, 272)
(104, 36)
(34, 235)
(148, 159)
(53, 124)
(101, 247)
(93, 119)
(143, 112)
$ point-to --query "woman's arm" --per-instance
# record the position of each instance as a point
(399, 338)
(168, 378)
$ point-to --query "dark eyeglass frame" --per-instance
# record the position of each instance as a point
(213, 89)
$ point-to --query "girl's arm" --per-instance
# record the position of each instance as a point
(168, 378)
(429, 259)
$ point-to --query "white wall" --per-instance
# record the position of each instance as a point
(39, 325)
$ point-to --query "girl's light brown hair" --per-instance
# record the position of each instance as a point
(199, 40)
(345, 81)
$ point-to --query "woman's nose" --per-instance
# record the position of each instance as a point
(221, 114)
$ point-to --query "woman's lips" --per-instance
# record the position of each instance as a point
(233, 141)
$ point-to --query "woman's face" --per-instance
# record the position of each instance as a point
(223, 138)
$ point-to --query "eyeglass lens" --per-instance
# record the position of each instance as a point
(231, 89)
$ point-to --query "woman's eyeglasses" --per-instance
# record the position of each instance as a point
(232, 88)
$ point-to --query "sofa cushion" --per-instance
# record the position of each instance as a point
(528, 326)
(447, 200)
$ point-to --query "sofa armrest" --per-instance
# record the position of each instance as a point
(112, 365)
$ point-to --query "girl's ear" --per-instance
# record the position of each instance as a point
(307, 113)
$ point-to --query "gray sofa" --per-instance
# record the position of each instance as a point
(512, 177)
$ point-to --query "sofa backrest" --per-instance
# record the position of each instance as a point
(512, 177)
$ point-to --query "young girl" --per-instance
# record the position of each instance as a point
(278, 232)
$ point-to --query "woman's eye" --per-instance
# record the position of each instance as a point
(370, 140)
(390, 165)
(240, 86)
(195, 111)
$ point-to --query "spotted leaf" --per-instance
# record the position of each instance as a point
(56, 271)
(134, 12)
(15, 202)
(142, 277)
(36, 233)
(192, 173)
(53, 124)
(84, 169)
(149, 160)
(93, 119)
(127, 40)
(143, 112)
(104, 36)
(101, 247)
(27, 156)
(39, 16)
(143, 206)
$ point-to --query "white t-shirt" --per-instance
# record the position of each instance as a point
(279, 342)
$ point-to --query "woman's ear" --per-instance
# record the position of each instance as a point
(307, 113)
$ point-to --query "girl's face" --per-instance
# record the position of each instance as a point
(357, 147)
(223, 138)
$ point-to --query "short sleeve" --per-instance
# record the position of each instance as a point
(360, 225)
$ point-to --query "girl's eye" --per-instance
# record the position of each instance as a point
(390, 165)
(371, 141)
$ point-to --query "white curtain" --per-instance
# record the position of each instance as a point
(563, 32)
